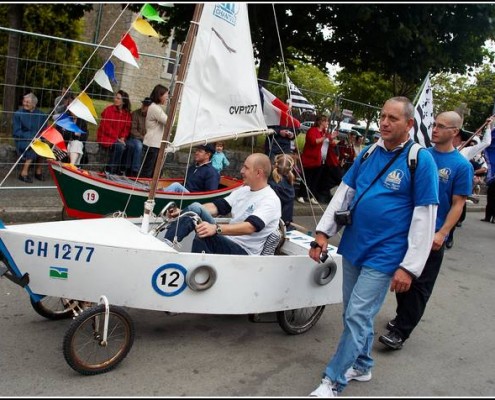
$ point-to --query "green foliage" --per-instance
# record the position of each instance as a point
(59, 20)
(313, 83)
(409, 40)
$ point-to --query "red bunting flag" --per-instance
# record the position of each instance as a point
(130, 44)
(54, 137)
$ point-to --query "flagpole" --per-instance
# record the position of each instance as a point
(421, 88)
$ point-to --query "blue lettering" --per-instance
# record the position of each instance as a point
(28, 246)
(42, 249)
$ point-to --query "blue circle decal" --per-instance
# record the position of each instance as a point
(169, 280)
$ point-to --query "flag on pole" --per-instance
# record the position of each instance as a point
(275, 111)
(296, 98)
(423, 116)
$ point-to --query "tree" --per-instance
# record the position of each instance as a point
(409, 40)
(318, 87)
(50, 19)
(403, 42)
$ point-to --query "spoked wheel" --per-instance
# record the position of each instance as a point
(84, 348)
(295, 322)
(54, 307)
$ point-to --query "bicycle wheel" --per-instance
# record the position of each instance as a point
(295, 322)
(83, 346)
(54, 308)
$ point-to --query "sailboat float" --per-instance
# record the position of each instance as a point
(115, 263)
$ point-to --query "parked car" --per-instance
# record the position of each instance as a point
(305, 126)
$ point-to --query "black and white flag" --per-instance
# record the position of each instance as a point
(296, 98)
(423, 116)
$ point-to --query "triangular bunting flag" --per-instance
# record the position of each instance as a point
(144, 27)
(68, 124)
(126, 50)
(88, 103)
(101, 79)
(42, 149)
(54, 137)
(109, 69)
(150, 13)
(79, 109)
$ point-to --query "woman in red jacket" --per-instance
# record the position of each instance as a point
(114, 128)
(311, 159)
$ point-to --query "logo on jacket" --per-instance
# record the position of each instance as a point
(393, 179)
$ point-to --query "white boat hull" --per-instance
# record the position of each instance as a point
(85, 259)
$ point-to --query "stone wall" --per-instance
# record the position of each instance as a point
(175, 164)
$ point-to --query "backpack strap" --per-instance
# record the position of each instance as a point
(412, 157)
(370, 150)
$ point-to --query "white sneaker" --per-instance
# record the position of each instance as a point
(300, 200)
(325, 389)
(314, 201)
(356, 375)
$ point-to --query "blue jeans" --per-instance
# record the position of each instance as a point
(176, 187)
(216, 244)
(114, 165)
(364, 290)
(134, 149)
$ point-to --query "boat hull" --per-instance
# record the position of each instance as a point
(90, 195)
(85, 259)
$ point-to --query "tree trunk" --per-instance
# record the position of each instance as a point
(10, 101)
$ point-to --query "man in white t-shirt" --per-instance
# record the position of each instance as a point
(255, 210)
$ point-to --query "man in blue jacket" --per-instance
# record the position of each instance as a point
(201, 176)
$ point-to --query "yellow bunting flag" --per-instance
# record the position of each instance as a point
(144, 27)
(42, 149)
(88, 103)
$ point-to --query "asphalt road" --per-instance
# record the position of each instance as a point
(449, 354)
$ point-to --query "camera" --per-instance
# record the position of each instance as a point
(343, 217)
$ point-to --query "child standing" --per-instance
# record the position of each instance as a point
(219, 161)
(282, 182)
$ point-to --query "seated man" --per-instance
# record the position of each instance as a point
(255, 210)
(201, 176)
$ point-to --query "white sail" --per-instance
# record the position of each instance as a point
(220, 98)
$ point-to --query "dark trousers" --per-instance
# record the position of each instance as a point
(490, 202)
(312, 176)
(411, 304)
(329, 178)
(150, 156)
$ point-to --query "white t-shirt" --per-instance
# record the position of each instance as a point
(265, 205)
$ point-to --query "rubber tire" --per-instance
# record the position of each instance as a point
(78, 331)
(286, 319)
(42, 308)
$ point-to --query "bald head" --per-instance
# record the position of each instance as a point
(262, 162)
(452, 118)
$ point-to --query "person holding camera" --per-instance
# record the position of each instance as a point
(389, 218)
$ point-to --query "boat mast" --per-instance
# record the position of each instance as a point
(188, 46)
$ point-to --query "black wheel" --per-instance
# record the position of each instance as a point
(295, 322)
(84, 349)
(54, 307)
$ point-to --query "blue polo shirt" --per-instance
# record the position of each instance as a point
(378, 235)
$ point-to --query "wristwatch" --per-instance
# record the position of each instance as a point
(314, 244)
(219, 229)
